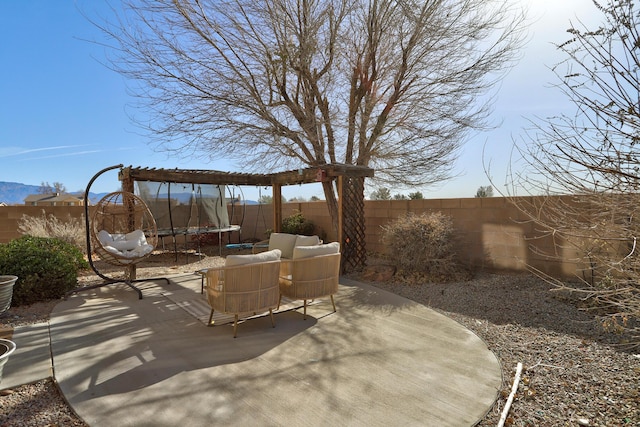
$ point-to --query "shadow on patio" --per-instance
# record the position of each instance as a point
(379, 360)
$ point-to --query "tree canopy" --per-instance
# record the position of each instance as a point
(484, 191)
(392, 85)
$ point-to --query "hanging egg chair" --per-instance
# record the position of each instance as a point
(123, 230)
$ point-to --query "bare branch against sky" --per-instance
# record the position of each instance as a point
(394, 85)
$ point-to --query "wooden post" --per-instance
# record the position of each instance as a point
(127, 181)
(341, 211)
(128, 187)
(277, 208)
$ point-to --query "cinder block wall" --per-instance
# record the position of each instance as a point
(11, 215)
(493, 234)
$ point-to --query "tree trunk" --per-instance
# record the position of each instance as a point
(332, 203)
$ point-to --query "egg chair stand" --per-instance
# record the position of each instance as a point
(122, 232)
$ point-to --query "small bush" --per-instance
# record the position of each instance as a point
(71, 230)
(422, 244)
(47, 268)
(298, 224)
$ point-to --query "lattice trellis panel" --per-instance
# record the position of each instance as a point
(354, 253)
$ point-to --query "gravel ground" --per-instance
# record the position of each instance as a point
(574, 374)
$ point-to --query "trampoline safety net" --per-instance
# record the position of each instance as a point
(186, 209)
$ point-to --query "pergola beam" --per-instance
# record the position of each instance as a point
(199, 176)
(195, 176)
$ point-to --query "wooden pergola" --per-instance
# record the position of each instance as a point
(349, 180)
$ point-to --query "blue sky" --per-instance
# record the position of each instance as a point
(63, 114)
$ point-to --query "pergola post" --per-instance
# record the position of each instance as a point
(351, 221)
(341, 213)
(127, 181)
(277, 208)
(128, 186)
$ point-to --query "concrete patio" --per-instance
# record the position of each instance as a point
(379, 360)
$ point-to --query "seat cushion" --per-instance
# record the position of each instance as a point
(104, 237)
(233, 260)
(310, 251)
(123, 242)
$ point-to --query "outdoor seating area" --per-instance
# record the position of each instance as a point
(294, 266)
(199, 208)
(380, 360)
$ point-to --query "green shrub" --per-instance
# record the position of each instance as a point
(47, 268)
(422, 244)
(71, 230)
(298, 224)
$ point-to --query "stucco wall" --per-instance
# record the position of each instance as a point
(11, 215)
(493, 233)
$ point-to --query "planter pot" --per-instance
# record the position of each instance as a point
(6, 292)
(6, 348)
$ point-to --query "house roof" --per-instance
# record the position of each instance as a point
(51, 197)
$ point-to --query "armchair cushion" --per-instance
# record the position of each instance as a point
(233, 260)
(310, 251)
(283, 241)
(307, 241)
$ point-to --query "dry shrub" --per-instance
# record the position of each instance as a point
(423, 247)
(597, 231)
(70, 230)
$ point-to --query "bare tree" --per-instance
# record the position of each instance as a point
(46, 188)
(59, 187)
(393, 85)
(593, 157)
(484, 191)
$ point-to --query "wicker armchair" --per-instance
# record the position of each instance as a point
(243, 289)
(310, 278)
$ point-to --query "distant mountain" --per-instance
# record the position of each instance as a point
(14, 193)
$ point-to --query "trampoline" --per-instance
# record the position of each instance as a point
(190, 211)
